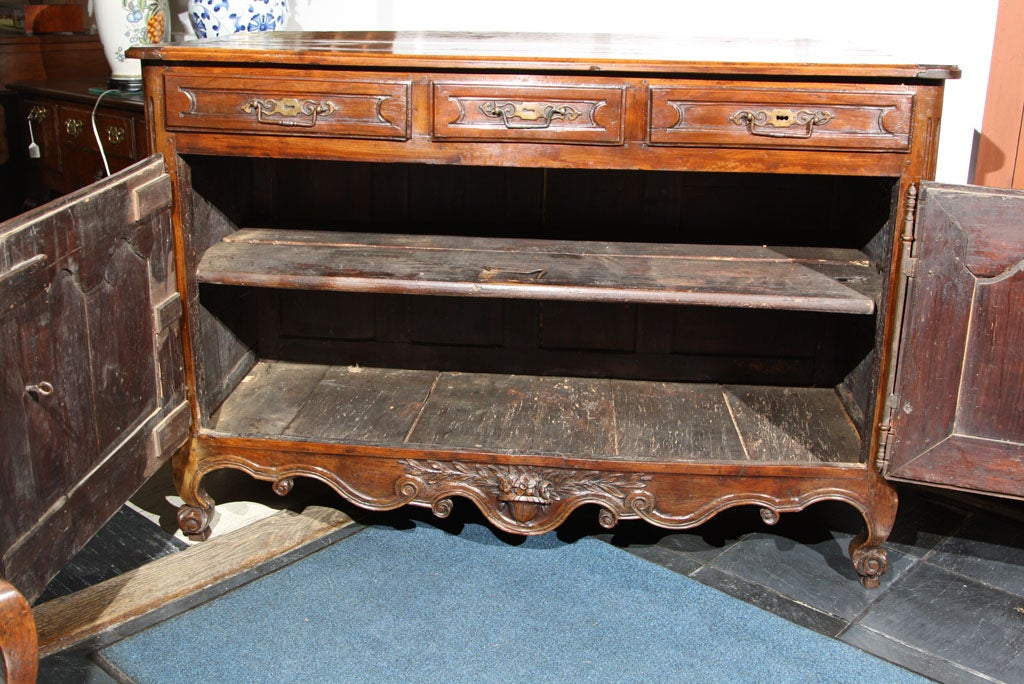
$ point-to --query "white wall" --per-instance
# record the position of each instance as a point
(912, 31)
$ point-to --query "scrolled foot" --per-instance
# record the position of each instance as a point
(442, 508)
(871, 562)
(194, 522)
(607, 518)
(769, 516)
(284, 486)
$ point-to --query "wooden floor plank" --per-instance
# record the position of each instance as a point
(592, 418)
(267, 400)
(176, 582)
(792, 424)
(674, 421)
(712, 275)
(126, 542)
(519, 413)
(367, 405)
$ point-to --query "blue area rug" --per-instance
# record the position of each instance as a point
(423, 605)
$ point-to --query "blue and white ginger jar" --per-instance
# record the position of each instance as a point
(213, 18)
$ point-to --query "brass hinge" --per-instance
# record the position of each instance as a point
(887, 432)
(909, 228)
(910, 266)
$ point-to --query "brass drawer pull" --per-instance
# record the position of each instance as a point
(73, 127)
(37, 113)
(782, 123)
(115, 135)
(530, 114)
(289, 107)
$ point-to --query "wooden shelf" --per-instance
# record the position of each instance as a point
(800, 279)
(598, 419)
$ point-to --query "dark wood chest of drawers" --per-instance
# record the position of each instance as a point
(61, 116)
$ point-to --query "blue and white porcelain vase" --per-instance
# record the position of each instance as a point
(213, 18)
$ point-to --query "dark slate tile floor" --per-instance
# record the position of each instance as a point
(950, 608)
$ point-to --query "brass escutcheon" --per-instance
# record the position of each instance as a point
(530, 114)
(288, 107)
(782, 123)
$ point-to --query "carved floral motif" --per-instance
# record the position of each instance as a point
(524, 491)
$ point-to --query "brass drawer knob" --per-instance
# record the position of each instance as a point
(115, 135)
(73, 127)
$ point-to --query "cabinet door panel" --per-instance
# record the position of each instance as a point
(958, 417)
(92, 400)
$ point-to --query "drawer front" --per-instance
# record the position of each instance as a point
(117, 132)
(782, 117)
(529, 113)
(332, 107)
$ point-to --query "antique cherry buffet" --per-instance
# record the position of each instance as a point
(657, 277)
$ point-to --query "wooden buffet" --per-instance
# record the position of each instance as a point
(658, 277)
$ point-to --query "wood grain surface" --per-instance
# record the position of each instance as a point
(177, 582)
(710, 275)
(596, 418)
(17, 637)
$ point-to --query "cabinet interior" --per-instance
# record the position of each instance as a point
(608, 373)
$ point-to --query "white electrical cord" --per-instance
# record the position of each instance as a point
(96, 131)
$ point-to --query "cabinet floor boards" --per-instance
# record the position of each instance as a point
(618, 420)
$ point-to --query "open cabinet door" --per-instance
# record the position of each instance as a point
(957, 410)
(92, 400)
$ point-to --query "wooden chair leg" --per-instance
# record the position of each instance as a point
(18, 640)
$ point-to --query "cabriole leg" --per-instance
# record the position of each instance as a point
(866, 550)
(196, 512)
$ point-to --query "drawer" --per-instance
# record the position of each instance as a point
(332, 106)
(529, 113)
(782, 117)
(117, 132)
(81, 163)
